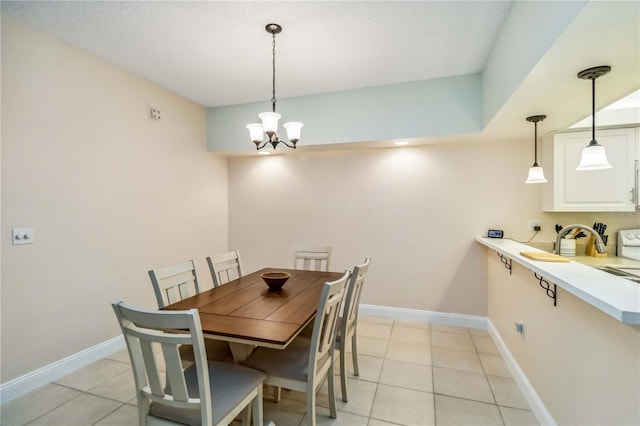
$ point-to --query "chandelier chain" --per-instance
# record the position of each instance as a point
(273, 79)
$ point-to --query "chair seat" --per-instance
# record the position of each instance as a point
(290, 363)
(230, 383)
(217, 350)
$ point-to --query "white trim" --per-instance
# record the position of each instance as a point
(539, 410)
(405, 314)
(49, 373)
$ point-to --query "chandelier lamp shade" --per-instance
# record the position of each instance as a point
(594, 156)
(536, 174)
(269, 126)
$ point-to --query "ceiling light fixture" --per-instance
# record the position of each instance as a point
(594, 156)
(536, 174)
(269, 124)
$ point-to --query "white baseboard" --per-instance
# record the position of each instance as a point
(40, 377)
(404, 314)
(539, 410)
(49, 373)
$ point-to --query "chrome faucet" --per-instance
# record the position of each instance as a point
(600, 248)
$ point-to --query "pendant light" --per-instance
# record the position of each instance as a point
(269, 126)
(594, 156)
(536, 174)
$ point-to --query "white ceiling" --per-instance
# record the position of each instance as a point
(218, 53)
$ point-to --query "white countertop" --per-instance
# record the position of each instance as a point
(616, 296)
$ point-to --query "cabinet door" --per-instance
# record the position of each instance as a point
(595, 190)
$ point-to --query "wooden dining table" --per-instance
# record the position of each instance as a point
(245, 313)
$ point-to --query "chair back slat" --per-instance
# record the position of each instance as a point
(225, 267)
(144, 332)
(352, 299)
(324, 328)
(175, 374)
(150, 366)
(174, 283)
(311, 258)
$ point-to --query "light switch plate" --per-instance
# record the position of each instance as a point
(23, 236)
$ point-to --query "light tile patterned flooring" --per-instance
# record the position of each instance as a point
(410, 374)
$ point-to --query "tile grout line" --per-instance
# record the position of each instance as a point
(384, 358)
(56, 407)
(433, 379)
(486, 377)
(110, 413)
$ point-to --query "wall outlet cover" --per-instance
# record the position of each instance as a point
(154, 113)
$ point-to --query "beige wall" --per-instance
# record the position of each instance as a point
(109, 193)
(582, 363)
(414, 211)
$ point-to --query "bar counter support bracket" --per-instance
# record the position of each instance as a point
(505, 260)
(547, 288)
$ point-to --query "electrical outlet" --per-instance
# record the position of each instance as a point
(533, 225)
(519, 327)
(154, 113)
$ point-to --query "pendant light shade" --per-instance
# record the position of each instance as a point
(269, 122)
(536, 174)
(594, 156)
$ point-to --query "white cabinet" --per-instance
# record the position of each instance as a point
(569, 190)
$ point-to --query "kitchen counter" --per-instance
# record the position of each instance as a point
(615, 296)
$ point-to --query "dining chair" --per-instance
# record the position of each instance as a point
(348, 323)
(311, 258)
(305, 362)
(225, 267)
(173, 283)
(205, 393)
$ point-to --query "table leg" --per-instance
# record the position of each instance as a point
(240, 351)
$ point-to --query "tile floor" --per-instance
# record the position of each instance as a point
(410, 374)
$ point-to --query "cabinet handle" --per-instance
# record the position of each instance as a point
(634, 191)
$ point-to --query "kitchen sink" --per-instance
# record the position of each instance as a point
(630, 273)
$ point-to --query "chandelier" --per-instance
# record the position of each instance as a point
(269, 126)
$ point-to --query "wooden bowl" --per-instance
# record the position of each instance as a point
(275, 280)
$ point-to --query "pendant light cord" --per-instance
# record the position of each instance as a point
(593, 111)
(535, 144)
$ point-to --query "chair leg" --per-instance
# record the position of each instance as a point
(332, 394)
(354, 352)
(343, 373)
(311, 406)
(277, 394)
(246, 416)
(258, 419)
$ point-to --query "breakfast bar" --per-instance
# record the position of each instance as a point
(616, 296)
(569, 332)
